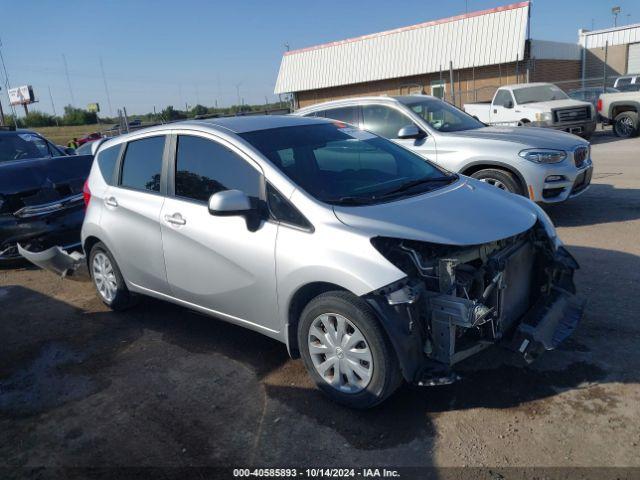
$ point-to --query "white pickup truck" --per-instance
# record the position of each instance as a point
(536, 104)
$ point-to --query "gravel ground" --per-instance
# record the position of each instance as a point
(163, 386)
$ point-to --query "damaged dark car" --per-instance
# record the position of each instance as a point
(41, 198)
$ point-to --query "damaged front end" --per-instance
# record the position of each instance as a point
(457, 301)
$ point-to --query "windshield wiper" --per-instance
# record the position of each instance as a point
(414, 183)
(352, 200)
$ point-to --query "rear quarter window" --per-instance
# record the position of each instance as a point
(107, 160)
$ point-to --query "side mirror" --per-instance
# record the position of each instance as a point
(234, 202)
(509, 104)
(229, 202)
(70, 151)
(411, 131)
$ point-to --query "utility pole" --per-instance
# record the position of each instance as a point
(66, 71)
(1, 112)
(238, 94)
(7, 86)
(106, 89)
(53, 107)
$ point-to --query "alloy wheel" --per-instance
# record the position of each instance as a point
(496, 183)
(340, 353)
(104, 277)
(625, 127)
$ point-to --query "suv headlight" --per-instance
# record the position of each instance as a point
(544, 117)
(543, 155)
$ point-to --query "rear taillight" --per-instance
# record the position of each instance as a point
(599, 107)
(86, 194)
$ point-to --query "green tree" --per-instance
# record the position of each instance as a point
(39, 119)
(171, 113)
(78, 116)
(199, 110)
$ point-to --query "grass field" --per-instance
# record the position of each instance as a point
(62, 135)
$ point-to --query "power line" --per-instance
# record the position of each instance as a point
(66, 71)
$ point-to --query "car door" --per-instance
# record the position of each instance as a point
(386, 121)
(131, 217)
(216, 262)
(503, 109)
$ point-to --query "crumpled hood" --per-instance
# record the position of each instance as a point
(535, 137)
(467, 212)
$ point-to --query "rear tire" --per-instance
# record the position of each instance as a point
(499, 178)
(340, 330)
(626, 125)
(108, 280)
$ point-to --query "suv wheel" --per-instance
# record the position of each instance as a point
(107, 278)
(499, 178)
(626, 125)
(346, 351)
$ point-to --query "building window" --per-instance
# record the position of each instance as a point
(438, 88)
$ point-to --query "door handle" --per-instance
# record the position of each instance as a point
(111, 201)
(495, 110)
(175, 219)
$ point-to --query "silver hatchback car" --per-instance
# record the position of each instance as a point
(373, 265)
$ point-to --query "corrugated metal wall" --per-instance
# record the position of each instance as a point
(615, 36)
(476, 39)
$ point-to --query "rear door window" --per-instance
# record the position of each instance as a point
(107, 159)
(142, 164)
(343, 114)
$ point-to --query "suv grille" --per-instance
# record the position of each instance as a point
(580, 155)
(567, 115)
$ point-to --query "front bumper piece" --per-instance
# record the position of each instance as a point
(70, 265)
(404, 311)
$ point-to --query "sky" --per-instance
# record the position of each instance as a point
(167, 52)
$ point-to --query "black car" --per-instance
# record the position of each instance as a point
(41, 193)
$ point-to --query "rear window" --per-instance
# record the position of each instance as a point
(22, 146)
(142, 164)
(107, 159)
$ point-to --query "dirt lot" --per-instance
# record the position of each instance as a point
(162, 386)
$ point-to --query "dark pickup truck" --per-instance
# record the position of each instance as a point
(41, 193)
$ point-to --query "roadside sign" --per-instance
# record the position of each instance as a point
(21, 95)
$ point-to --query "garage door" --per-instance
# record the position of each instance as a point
(633, 64)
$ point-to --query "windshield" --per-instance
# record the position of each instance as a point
(538, 93)
(20, 146)
(343, 165)
(441, 116)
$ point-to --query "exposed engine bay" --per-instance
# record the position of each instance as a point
(459, 300)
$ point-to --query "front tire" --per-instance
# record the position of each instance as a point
(346, 351)
(499, 178)
(626, 125)
(107, 279)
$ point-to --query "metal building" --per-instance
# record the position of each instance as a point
(463, 58)
(619, 46)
